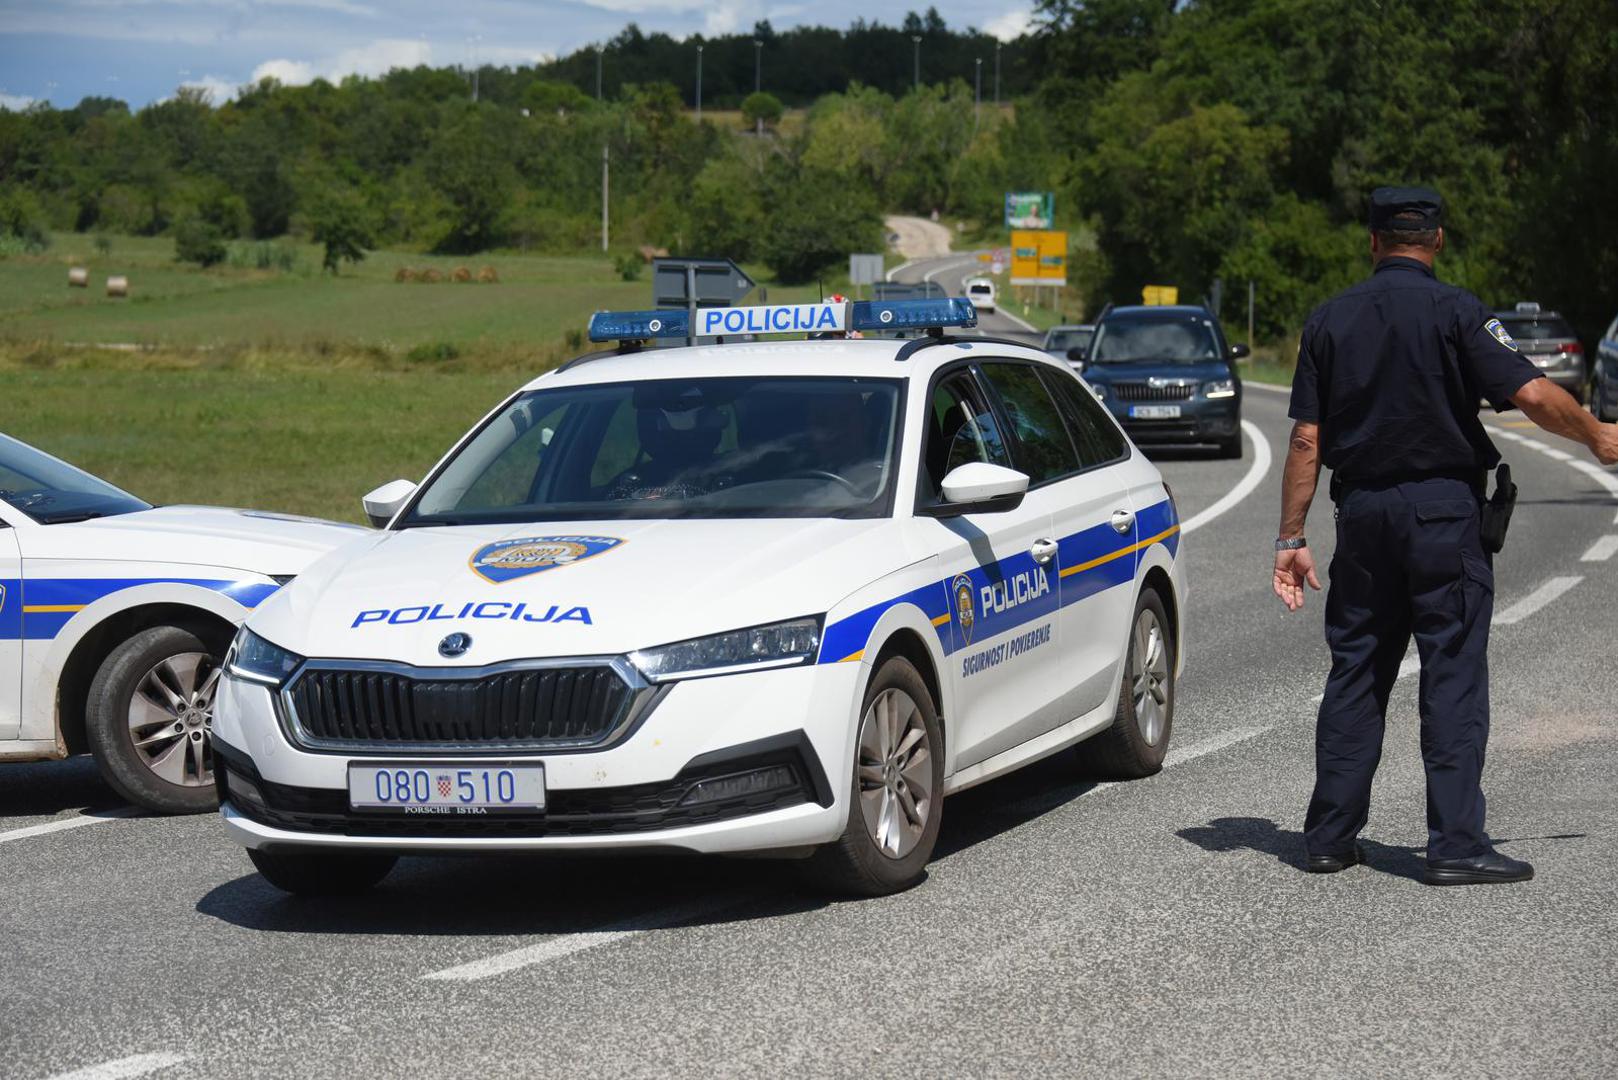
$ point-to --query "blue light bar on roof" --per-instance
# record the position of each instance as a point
(913, 314)
(819, 318)
(639, 325)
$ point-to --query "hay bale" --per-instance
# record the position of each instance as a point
(648, 253)
(461, 274)
(487, 276)
(117, 285)
(430, 276)
(78, 278)
(404, 273)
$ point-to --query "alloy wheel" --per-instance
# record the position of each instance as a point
(1149, 676)
(171, 718)
(895, 773)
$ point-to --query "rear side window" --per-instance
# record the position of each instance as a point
(1537, 329)
(1098, 439)
(960, 430)
(1046, 450)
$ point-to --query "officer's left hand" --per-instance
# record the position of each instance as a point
(1292, 569)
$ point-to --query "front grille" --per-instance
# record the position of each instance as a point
(1140, 391)
(531, 707)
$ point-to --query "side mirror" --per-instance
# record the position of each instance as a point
(386, 501)
(1240, 350)
(979, 487)
(1076, 357)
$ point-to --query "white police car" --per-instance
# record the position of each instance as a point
(115, 616)
(777, 597)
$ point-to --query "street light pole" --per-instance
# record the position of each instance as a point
(977, 90)
(915, 39)
(604, 196)
(699, 84)
(758, 83)
(598, 72)
(997, 74)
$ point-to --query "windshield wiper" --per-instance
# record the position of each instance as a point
(69, 519)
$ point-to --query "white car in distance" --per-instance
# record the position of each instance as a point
(981, 292)
(115, 616)
(777, 597)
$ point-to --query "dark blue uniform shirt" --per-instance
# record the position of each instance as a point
(1393, 369)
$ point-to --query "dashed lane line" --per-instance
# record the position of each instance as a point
(123, 1068)
(77, 821)
(1602, 477)
(1254, 477)
(1601, 550)
(1539, 598)
(564, 945)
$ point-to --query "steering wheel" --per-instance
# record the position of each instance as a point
(823, 474)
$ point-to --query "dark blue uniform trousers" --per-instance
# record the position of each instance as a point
(1409, 560)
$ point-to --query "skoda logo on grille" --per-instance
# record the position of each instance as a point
(454, 645)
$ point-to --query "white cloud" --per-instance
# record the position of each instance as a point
(1012, 24)
(218, 88)
(286, 72)
(15, 102)
(377, 58)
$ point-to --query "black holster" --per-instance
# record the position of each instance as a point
(1497, 510)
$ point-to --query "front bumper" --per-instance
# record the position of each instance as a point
(1199, 421)
(636, 794)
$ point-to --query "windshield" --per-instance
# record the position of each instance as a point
(676, 448)
(53, 492)
(1063, 340)
(1186, 341)
(1536, 328)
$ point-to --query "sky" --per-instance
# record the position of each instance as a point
(142, 50)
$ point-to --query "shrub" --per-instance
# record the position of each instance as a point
(22, 222)
(761, 106)
(433, 352)
(103, 244)
(197, 241)
(628, 266)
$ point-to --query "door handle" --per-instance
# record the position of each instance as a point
(1123, 520)
(1043, 551)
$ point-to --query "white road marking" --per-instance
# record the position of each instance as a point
(77, 821)
(135, 1065)
(1545, 594)
(1177, 756)
(1601, 476)
(1601, 550)
(561, 945)
(1254, 384)
(1254, 477)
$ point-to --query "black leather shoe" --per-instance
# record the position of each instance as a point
(1487, 869)
(1330, 864)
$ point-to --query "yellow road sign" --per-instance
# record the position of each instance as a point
(1038, 257)
(1160, 295)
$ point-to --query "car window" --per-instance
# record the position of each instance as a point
(714, 448)
(1098, 439)
(960, 429)
(1045, 451)
(1536, 328)
(53, 492)
(1122, 340)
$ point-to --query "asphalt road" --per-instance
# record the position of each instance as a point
(1157, 928)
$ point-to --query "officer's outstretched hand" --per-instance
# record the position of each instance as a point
(1292, 569)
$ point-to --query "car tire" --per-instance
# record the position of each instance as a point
(322, 873)
(149, 719)
(1135, 744)
(898, 751)
(1231, 449)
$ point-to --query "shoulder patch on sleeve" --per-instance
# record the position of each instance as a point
(1498, 332)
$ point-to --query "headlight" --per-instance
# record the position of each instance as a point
(251, 657)
(1219, 388)
(1099, 391)
(782, 644)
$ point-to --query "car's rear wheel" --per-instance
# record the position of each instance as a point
(149, 719)
(896, 792)
(321, 873)
(1138, 739)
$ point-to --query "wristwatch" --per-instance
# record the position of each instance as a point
(1291, 545)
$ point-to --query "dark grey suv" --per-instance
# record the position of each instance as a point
(1548, 340)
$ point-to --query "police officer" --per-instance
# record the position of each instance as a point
(1390, 373)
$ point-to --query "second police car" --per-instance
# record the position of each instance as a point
(771, 597)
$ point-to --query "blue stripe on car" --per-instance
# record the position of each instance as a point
(38, 609)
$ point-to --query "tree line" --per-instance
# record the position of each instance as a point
(1198, 141)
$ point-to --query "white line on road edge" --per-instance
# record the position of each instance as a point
(1254, 477)
(77, 821)
(1601, 550)
(1595, 472)
(554, 948)
(1254, 384)
(135, 1065)
(1545, 594)
(1213, 745)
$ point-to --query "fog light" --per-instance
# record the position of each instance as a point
(757, 782)
(240, 789)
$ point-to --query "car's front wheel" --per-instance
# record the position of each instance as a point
(149, 719)
(1135, 744)
(896, 792)
(321, 873)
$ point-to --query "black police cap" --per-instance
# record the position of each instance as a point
(1423, 209)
